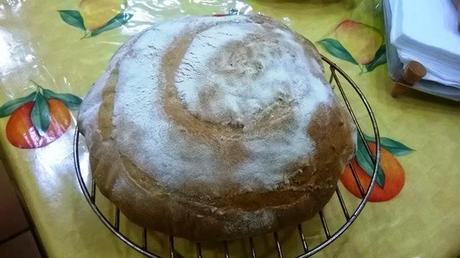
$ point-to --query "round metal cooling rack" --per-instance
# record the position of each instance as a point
(329, 236)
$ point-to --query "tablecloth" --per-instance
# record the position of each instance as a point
(51, 52)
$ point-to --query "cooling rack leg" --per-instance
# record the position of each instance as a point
(198, 251)
(144, 239)
(302, 238)
(251, 245)
(172, 252)
(93, 192)
(357, 181)
(342, 203)
(325, 227)
(278, 245)
(227, 254)
(117, 219)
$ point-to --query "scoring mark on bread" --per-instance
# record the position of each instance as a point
(106, 109)
(225, 141)
(107, 176)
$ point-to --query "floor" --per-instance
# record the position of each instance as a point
(17, 239)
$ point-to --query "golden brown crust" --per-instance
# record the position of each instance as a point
(202, 217)
(314, 187)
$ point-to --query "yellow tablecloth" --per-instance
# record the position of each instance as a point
(37, 44)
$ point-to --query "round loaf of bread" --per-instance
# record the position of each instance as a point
(213, 128)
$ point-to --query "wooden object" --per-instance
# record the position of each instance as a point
(413, 72)
(457, 6)
(12, 217)
(21, 246)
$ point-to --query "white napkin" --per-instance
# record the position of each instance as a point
(427, 31)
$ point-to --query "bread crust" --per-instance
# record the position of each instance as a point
(198, 212)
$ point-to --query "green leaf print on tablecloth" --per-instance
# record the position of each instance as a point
(40, 114)
(336, 49)
(96, 16)
(73, 18)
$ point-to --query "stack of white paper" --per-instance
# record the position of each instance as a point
(427, 31)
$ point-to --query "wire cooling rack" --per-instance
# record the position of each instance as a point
(350, 94)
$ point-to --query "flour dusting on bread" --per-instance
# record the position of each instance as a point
(230, 74)
(216, 127)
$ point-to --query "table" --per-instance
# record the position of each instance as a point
(36, 44)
